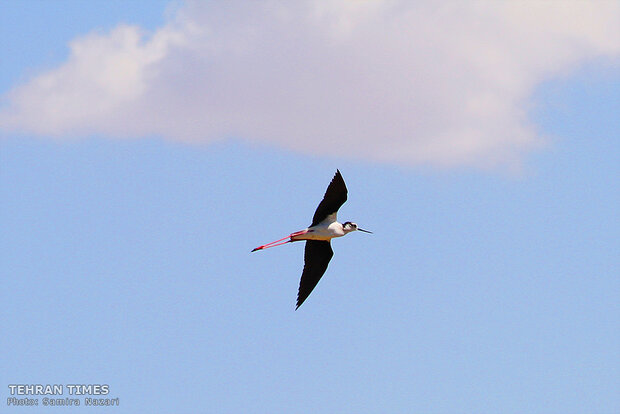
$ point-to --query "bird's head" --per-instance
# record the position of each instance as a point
(349, 226)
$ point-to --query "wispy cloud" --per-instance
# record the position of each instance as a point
(442, 83)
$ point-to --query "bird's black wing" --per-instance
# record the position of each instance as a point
(317, 255)
(334, 197)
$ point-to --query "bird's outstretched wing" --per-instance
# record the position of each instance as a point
(334, 198)
(317, 255)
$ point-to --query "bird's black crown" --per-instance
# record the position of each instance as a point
(350, 224)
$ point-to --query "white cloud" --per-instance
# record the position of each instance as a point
(441, 83)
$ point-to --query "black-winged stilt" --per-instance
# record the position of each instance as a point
(324, 227)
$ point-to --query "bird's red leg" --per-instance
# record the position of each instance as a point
(279, 242)
(273, 244)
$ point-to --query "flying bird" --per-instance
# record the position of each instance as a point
(318, 235)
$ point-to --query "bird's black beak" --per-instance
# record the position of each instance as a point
(365, 231)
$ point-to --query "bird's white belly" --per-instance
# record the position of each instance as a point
(321, 232)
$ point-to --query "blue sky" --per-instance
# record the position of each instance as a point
(490, 283)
